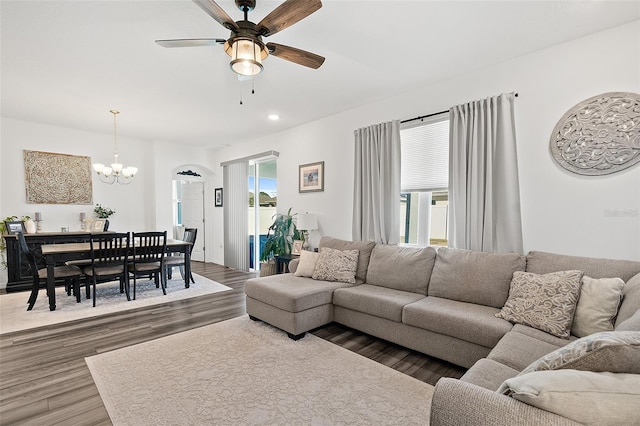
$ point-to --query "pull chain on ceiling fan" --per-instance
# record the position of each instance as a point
(245, 45)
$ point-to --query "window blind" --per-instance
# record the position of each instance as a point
(425, 156)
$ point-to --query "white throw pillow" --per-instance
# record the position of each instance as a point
(597, 306)
(598, 399)
(307, 263)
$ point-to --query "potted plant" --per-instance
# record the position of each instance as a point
(279, 241)
(3, 229)
(104, 213)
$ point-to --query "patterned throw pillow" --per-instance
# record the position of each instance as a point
(612, 351)
(336, 265)
(546, 302)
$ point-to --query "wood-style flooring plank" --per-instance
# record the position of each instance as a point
(44, 379)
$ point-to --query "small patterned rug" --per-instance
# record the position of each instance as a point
(14, 315)
(241, 372)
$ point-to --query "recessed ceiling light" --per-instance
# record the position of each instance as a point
(274, 117)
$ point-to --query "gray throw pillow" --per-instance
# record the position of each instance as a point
(612, 351)
(546, 302)
(336, 265)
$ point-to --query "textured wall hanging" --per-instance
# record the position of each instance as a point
(600, 135)
(57, 178)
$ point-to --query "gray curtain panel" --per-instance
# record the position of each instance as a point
(484, 193)
(236, 215)
(376, 200)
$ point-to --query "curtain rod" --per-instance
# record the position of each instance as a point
(424, 116)
(435, 113)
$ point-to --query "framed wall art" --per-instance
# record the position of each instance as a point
(218, 197)
(52, 178)
(311, 177)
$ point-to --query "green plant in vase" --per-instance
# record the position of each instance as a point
(280, 236)
(3, 245)
(103, 212)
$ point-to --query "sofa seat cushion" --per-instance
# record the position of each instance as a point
(401, 268)
(474, 277)
(291, 293)
(488, 374)
(374, 300)
(467, 321)
(518, 351)
(541, 335)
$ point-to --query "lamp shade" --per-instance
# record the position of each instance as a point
(246, 57)
(307, 222)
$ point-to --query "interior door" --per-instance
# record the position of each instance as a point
(193, 215)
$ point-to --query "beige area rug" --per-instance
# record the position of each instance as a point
(241, 372)
(14, 315)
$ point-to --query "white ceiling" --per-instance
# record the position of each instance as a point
(68, 63)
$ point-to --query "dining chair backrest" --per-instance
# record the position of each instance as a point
(149, 246)
(110, 248)
(190, 235)
(28, 254)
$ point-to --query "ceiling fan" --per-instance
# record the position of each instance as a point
(245, 45)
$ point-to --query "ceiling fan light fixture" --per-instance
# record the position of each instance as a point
(246, 56)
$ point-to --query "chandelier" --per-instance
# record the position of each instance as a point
(117, 172)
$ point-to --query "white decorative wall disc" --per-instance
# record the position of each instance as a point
(600, 135)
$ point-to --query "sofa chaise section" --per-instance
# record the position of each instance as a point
(293, 304)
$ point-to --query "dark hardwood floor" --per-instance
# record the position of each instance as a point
(44, 379)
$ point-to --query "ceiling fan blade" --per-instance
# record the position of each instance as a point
(217, 13)
(287, 14)
(190, 42)
(300, 57)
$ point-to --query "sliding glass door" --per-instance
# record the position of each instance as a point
(263, 200)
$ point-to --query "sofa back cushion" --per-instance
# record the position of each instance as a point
(401, 268)
(540, 262)
(630, 300)
(474, 277)
(364, 249)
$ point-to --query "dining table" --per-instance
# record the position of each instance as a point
(57, 254)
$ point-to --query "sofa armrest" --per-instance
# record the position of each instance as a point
(293, 265)
(458, 403)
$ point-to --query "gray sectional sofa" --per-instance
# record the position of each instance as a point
(443, 303)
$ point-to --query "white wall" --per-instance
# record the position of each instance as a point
(143, 205)
(21, 135)
(561, 212)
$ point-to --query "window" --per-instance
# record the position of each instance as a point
(424, 202)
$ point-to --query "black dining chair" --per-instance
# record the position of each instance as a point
(178, 261)
(70, 274)
(148, 254)
(109, 257)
